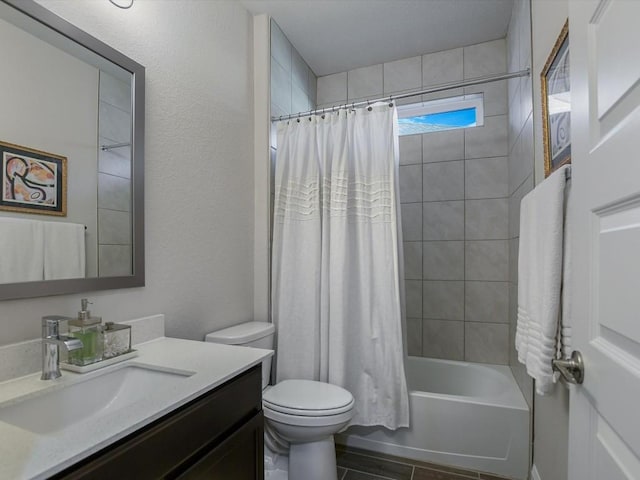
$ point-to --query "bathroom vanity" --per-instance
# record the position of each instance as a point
(218, 435)
(181, 409)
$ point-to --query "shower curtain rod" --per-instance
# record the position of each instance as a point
(389, 98)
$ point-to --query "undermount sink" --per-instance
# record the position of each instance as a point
(57, 408)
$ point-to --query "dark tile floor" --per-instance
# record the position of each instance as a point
(355, 464)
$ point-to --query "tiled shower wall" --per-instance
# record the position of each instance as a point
(114, 178)
(521, 161)
(293, 83)
(293, 87)
(454, 189)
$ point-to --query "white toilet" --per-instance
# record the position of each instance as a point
(301, 415)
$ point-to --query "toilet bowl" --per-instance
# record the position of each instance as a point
(306, 415)
(301, 416)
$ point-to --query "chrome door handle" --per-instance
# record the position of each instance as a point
(571, 369)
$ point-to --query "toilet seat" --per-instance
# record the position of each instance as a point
(307, 420)
(307, 398)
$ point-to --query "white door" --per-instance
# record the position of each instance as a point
(604, 426)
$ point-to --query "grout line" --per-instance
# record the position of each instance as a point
(372, 475)
(464, 234)
(449, 280)
(469, 474)
(521, 184)
(465, 199)
(102, 100)
(434, 468)
(466, 241)
(378, 458)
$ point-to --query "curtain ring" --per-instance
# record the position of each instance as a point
(369, 107)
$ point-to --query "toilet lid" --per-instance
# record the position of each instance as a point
(309, 398)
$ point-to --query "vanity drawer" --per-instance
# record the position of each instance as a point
(232, 459)
(178, 441)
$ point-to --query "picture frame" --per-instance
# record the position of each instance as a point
(556, 105)
(32, 181)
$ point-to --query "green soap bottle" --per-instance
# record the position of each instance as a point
(87, 329)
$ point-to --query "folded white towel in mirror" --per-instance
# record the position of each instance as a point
(21, 250)
(64, 250)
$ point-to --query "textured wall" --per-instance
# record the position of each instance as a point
(453, 192)
(199, 167)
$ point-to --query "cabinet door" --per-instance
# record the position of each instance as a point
(176, 439)
(239, 457)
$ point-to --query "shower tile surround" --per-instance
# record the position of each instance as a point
(293, 89)
(293, 83)
(455, 198)
(115, 254)
(521, 162)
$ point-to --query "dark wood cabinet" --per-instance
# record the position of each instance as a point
(216, 436)
(229, 459)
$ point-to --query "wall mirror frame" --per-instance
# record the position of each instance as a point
(137, 279)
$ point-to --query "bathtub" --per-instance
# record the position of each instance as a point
(469, 415)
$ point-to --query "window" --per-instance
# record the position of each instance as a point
(443, 114)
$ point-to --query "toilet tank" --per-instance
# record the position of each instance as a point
(249, 334)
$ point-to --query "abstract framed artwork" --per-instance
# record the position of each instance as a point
(32, 181)
(556, 105)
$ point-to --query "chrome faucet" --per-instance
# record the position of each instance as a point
(51, 343)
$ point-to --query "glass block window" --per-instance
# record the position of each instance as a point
(442, 114)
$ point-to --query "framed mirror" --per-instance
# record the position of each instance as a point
(71, 158)
(556, 105)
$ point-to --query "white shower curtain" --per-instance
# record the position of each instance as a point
(336, 259)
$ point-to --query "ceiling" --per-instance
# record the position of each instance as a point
(338, 35)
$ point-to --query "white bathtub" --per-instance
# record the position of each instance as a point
(468, 415)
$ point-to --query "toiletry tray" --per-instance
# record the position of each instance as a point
(101, 364)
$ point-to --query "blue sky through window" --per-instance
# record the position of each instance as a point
(434, 122)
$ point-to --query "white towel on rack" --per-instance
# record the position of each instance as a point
(564, 336)
(540, 269)
(64, 250)
(21, 254)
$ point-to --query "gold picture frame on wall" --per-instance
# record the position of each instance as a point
(32, 181)
(556, 105)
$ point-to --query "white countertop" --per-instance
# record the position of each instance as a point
(24, 454)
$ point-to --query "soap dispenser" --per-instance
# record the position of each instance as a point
(88, 329)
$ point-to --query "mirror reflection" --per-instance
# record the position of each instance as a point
(65, 153)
